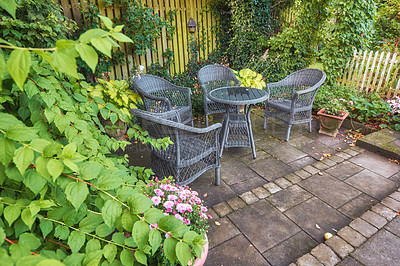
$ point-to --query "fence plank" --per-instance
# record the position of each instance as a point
(392, 62)
(180, 43)
(366, 71)
(382, 77)
(371, 73)
(351, 66)
(392, 90)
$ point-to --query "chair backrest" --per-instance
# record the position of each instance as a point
(306, 77)
(160, 125)
(151, 84)
(215, 76)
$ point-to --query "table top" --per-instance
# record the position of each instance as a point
(238, 95)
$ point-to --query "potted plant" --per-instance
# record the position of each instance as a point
(116, 92)
(332, 116)
(185, 205)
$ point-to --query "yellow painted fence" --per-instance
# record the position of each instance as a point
(186, 9)
(371, 71)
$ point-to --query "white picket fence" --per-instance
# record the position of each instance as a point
(373, 72)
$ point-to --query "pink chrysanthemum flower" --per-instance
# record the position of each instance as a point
(203, 209)
(156, 200)
(172, 197)
(168, 204)
(187, 222)
(159, 192)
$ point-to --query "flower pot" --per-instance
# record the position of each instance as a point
(200, 261)
(330, 124)
(116, 130)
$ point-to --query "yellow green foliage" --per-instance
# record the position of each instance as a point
(250, 78)
(116, 92)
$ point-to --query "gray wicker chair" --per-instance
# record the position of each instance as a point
(159, 96)
(291, 99)
(193, 152)
(211, 77)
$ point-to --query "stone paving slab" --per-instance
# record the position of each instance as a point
(236, 251)
(329, 189)
(367, 182)
(264, 225)
(316, 218)
(289, 250)
(376, 164)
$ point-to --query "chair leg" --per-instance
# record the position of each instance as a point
(288, 132)
(206, 120)
(309, 127)
(217, 172)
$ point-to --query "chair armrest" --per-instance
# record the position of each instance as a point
(185, 93)
(154, 98)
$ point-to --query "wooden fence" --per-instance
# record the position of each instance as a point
(373, 72)
(186, 9)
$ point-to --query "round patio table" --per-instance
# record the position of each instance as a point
(237, 130)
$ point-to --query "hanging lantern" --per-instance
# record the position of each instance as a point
(192, 25)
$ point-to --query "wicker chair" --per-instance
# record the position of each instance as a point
(160, 96)
(211, 77)
(193, 152)
(291, 99)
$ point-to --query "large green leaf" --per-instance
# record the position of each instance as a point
(103, 230)
(88, 54)
(7, 120)
(153, 215)
(8, 148)
(183, 253)
(90, 34)
(55, 168)
(74, 259)
(92, 245)
(23, 157)
(111, 211)
(110, 251)
(121, 37)
(139, 203)
(27, 218)
(18, 66)
(126, 257)
(108, 182)
(64, 62)
(107, 22)
(155, 240)
(34, 181)
(76, 193)
(30, 241)
(2, 236)
(3, 68)
(46, 227)
(169, 248)
(128, 220)
(76, 240)
(10, 6)
(41, 167)
(103, 44)
(11, 213)
(169, 223)
(21, 133)
(90, 170)
(140, 234)
(90, 223)
(61, 232)
(93, 259)
(141, 257)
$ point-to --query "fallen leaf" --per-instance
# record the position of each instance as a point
(205, 195)
(327, 154)
(217, 223)
(316, 225)
(338, 148)
(320, 173)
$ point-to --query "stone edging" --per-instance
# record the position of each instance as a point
(348, 238)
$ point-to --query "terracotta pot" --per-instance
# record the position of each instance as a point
(200, 261)
(330, 124)
(117, 130)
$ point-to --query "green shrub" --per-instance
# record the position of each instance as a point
(38, 23)
(64, 196)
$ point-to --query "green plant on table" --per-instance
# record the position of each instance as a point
(116, 92)
(64, 196)
(250, 78)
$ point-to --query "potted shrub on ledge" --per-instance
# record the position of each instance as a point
(332, 116)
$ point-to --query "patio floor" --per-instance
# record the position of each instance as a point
(274, 210)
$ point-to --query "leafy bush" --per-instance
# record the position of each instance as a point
(387, 25)
(36, 23)
(63, 195)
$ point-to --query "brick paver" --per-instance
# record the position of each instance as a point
(325, 255)
(341, 247)
(351, 236)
